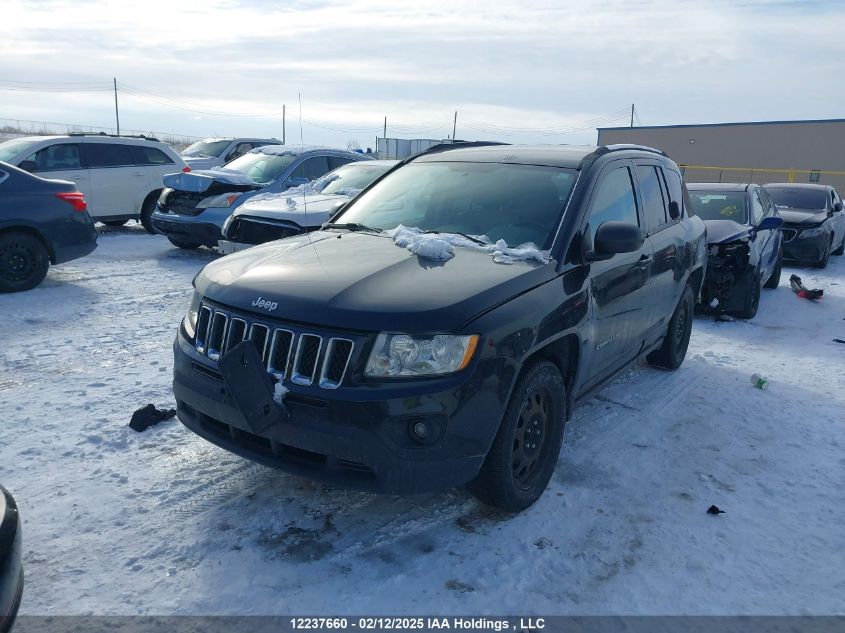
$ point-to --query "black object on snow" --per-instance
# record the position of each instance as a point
(838, 340)
(799, 289)
(146, 416)
(715, 510)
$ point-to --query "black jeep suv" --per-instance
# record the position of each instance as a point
(442, 327)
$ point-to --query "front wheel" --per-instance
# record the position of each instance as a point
(522, 459)
(113, 222)
(23, 262)
(672, 352)
(774, 279)
(841, 249)
(822, 263)
(752, 296)
(181, 244)
(146, 218)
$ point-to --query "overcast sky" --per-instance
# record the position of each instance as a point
(516, 71)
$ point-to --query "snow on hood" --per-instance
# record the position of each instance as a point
(440, 247)
(229, 176)
(724, 231)
(312, 210)
(803, 217)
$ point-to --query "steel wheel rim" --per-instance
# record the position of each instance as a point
(17, 262)
(532, 428)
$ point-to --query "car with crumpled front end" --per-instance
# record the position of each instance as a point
(442, 327)
(813, 221)
(194, 206)
(272, 216)
(744, 240)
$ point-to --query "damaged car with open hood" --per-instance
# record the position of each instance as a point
(440, 330)
(193, 207)
(744, 242)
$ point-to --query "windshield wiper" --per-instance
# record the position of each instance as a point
(351, 226)
(469, 237)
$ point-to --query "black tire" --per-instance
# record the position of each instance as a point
(516, 471)
(752, 297)
(23, 262)
(822, 263)
(146, 218)
(841, 249)
(180, 244)
(672, 352)
(114, 222)
(774, 279)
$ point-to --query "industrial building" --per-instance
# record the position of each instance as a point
(760, 151)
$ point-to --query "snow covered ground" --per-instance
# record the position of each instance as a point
(161, 522)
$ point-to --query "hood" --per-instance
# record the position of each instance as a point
(201, 181)
(202, 162)
(311, 210)
(724, 231)
(802, 217)
(363, 281)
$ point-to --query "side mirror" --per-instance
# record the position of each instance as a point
(769, 223)
(838, 206)
(298, 180)
(615, 237)
(674, 210)
(28, 165)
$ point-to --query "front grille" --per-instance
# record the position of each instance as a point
(789, 234)
(247, 231)
(183, 202)
(305, 357)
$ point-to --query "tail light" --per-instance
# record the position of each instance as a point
(186, 169)
(75, 199)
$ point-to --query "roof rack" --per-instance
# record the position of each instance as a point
(141, 136)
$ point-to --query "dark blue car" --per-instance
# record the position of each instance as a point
(42, 222)
(744, 242)
(11, 571)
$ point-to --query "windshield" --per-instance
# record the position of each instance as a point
(209, 149)
(514, 203)
(350, 179)
(798, 198)
(10, 149)
(262, 168)
(709, 205)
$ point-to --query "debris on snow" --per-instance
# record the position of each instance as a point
(440, 246)
(147, 416)
(802, 291)
(715, 510)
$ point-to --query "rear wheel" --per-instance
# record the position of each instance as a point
(672, 352)
(181, 244)
(147, 214)
(822, 263)
(774, 280)
(522, 459)
(114, 222)
(23, 262)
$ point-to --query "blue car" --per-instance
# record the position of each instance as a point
(744, 242)
(193, 208)
(42, 222)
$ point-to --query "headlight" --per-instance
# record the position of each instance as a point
(190, 320)
(405, 355)
(222, 200)
(816, 231)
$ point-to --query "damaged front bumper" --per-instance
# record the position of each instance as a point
(726, 283)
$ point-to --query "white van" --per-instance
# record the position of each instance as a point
(121, 176)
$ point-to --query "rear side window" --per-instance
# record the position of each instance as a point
(142, 155)
(654, 206)
(675, 188)
(613, 201)
(57, 157)
(106, 155)
(312, 168)
(337, 161)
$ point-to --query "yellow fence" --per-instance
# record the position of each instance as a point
(698, 173)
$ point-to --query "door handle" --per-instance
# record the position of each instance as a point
(645, 259)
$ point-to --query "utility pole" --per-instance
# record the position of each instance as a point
(454, 125)
(385, 127)
(283, 124)
(116, 115)
(632, 115)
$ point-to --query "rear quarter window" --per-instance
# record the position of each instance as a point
(142, 155)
